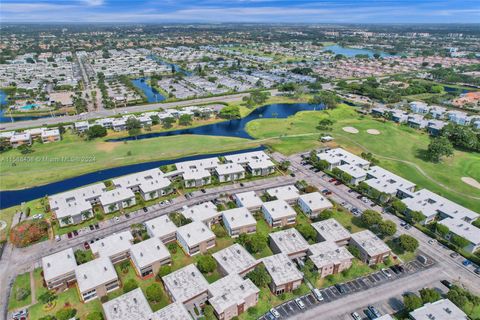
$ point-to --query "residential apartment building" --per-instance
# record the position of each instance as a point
(289, 242)
(205, 212)
(148, 256)
(287, 193)
(465, 230)
(238, 221)
(285, 276)
(235, 260)
(278, 213)
(329, 258)
(229, 172)
(195, 238)
(119, 198)
(96, 279)
(249, 200)
(372, 249)
(312, 204)
(442, 310)
(331, 230)
(163, 228)
(59, 269)
(115, 247)
(186, 285)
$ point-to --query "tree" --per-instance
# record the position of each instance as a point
(411, 302)
(387, 227)
(442, 229)
(134, 126)
(416, 216)
(371, 218)
(429, 295)
(259, 276)
(325, 124)
(168, 122)
(459, 241)
(230, 112)
(408, 243)
(95, 316)
(96, 131)
(284, 165)
(163, 271)
(206, 264)
(154, 292)
(326, 98)
(47, 297)
(399, 206)
(130, 285)
(438, 148)
(65, 314)
(307, 231)
(185, 120)
(325, 214)
(81, 256)
(256, 243)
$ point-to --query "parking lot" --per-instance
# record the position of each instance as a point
(332, 293)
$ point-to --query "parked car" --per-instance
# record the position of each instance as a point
(340, 287)
(241, 184)
(203, 190)
(338, 183)
(300, 303)
(403, 224)
(369, 314)
(394, 269)
(86, 245)
(446, 283)
(145, 209)
(96, 226)
(69, 235)
(350, 191)
(332, 180)
(57, 238)
(75, 233)
(453, 254)
(292, 175)
(356, 316)
(386, 273)
(477, 270)
(117, 219)
(374, 311)
(38, 216)
(127, 215)
(432, 241)
(20, 315)
(317, 294)
(275, 313)
(466, 262)
(269, 316)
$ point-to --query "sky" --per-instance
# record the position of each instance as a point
(215, 11)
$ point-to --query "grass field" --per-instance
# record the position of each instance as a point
(22, 281)
(399, 149)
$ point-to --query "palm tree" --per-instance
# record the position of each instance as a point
(66, 220)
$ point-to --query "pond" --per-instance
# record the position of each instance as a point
(175, 67)
(151, 94)
(352, 52)
(16, 197)
(235, 127)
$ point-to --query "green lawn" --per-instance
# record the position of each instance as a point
(38, 279)
(68, 298)
(398, 147)
(22, 281)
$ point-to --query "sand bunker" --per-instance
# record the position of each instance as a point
(373, 131)
(471, 182)
(350, 129)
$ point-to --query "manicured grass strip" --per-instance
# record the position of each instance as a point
(21, 283)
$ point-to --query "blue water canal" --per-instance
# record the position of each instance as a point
(151, 94)
(235, 127)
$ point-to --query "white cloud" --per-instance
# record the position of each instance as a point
(93, 3)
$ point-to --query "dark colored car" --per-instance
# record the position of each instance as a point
(340, 288)
(91, 227)
(241, 184)
(332, 180)
(395, 269)
(374, 311)
(86, 245)
(446, 283)
(69, 235)
(292, 174)
(369, 314)
(338, 183)
(97, 226)
(145, 209)
(75, 233)
(203, 190)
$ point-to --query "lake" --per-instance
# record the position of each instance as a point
(235, 127)
(352, 52)
(151, 94)
(16, 197)
(176, 67)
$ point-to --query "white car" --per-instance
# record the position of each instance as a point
(300, 303)
(317, 294)
(275, 313)
(38, 216)
(386, 273)
(117, 219)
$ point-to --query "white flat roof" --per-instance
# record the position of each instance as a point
(116, 195)
(75, 201)
(431, 204)
(149, 251)
(278, 209)
(340, 156)
(370, 243)
(249, 199)
(129, 306)
(230, 290)
(202, 212)
(281, 269)
(462, 228)
(261, 164)
(385, 181)
(196, 174)
(160, 226)
(113, 244)
(355, 171)
(331, 230)
(286, 193)
(185, 283)
(238, 217)
(315, 201)
(289, 241)
(326, 253)
(439, 310)
(208, 163)
(95, 273)
(235, 259)
(247, 157)
(148, 181)
(58, 264)
(229, 168)
(174, 311)
(195, 233)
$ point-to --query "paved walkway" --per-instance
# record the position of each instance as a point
(32, 288)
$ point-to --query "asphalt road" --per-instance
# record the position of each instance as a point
(111, 112)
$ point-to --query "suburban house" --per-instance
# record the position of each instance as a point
(195, 238)
(129, 306)
(115, 247)
(372, 249)
(386, 182)
(289, 242)
(288, 193)
(278, 213)
(163, 228)
(338, 156)
(186, 285)
(329, 258)
(238, 221)
(285, 276)
(204, 212)
(229, 172)
(232, 295)
(313, 203)
(96, 279)
(465, 230)
(59, 269)
(52, 135)
(249, 200)
(116, 199)
(235, 260)
(442, 310)
(434, 206)
(150, 183)
(148, 256)
(331, 230)
(356, 173)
